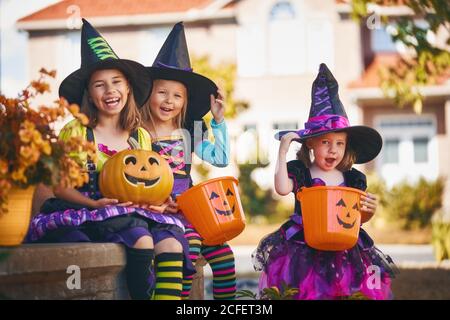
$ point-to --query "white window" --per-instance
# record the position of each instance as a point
(409, 147)
(151, 42)
(286, 40)
(390, 154)
(320, 45)
(294, 41)
(251, 53)
(381, 40)
(285, 126)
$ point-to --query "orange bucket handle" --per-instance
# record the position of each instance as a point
(299, 194)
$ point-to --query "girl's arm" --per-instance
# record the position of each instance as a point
(283, 184)
(218, 153)
(73, 195)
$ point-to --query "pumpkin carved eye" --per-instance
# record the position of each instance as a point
(153, 161)
(213, 195)
(355, 207)
(229, 193)
(341, 203)
(130, 159)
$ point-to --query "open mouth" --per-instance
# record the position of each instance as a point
(225, 212)
(111, 102)
(139, 181)
(330, 161)
(164, 109)
(345, 225)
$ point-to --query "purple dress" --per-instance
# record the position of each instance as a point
(284, 257)
(61, 221)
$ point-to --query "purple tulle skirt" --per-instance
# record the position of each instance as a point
(285, 258)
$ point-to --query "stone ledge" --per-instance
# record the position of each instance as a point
(39, 271)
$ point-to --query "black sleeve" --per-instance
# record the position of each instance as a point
(356, 179)
(296, 172)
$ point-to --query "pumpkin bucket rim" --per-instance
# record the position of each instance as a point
(304, 190)
(204, 183)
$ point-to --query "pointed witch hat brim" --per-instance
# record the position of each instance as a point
(173, 63)
(327, 114)
(366, 142)
(96, 54)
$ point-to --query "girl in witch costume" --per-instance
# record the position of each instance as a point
(283, 256)
(109, 90)
(179, 100)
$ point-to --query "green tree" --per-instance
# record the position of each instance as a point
(224, 75)
(255, 200)
(428, 63)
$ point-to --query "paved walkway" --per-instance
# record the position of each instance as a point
(401, 254)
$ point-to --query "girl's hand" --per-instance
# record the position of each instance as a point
(286, 141)
(104, 202)
(169, 207)
(369, 205)
(218, 107)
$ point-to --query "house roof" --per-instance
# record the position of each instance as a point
(118, 12)
(371, 75)
(382, 3)
(103, 8)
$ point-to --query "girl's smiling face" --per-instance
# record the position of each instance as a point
(108, 90)
(167, 100)
(328, 149)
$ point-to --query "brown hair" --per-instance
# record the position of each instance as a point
(346, 163)
(130, 119)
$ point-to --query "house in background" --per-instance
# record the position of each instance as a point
(277, 46)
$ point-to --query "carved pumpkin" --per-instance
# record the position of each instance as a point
(139, 176)
(331, 216)
(214, 209)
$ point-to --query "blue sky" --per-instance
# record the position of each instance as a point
(13, 44)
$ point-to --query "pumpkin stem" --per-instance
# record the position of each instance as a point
(133, 143)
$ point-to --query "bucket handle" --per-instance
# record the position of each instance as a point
(300, 194)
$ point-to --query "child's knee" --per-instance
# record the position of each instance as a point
(169, 245)
(144, 242)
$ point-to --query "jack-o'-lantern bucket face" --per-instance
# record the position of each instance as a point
(331, 217)
(214, 209)
(347, 213)
(140, 176)
(225, 204)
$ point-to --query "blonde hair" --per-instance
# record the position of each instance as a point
(130, 119)
(147, 119)
(146, 112)
(346, 163)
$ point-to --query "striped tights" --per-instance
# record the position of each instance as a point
(221, 260)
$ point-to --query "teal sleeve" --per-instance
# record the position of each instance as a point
(217, 153)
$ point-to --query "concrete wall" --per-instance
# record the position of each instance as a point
(42, 271)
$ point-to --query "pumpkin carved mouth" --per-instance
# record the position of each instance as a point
(345, 225)
(139, 181)
(225, 212)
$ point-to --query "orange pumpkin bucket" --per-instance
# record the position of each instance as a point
(331, 216)
(214, 208)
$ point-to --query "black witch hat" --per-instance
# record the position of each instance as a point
(327, 114)
(173, 63)
(97, 54)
